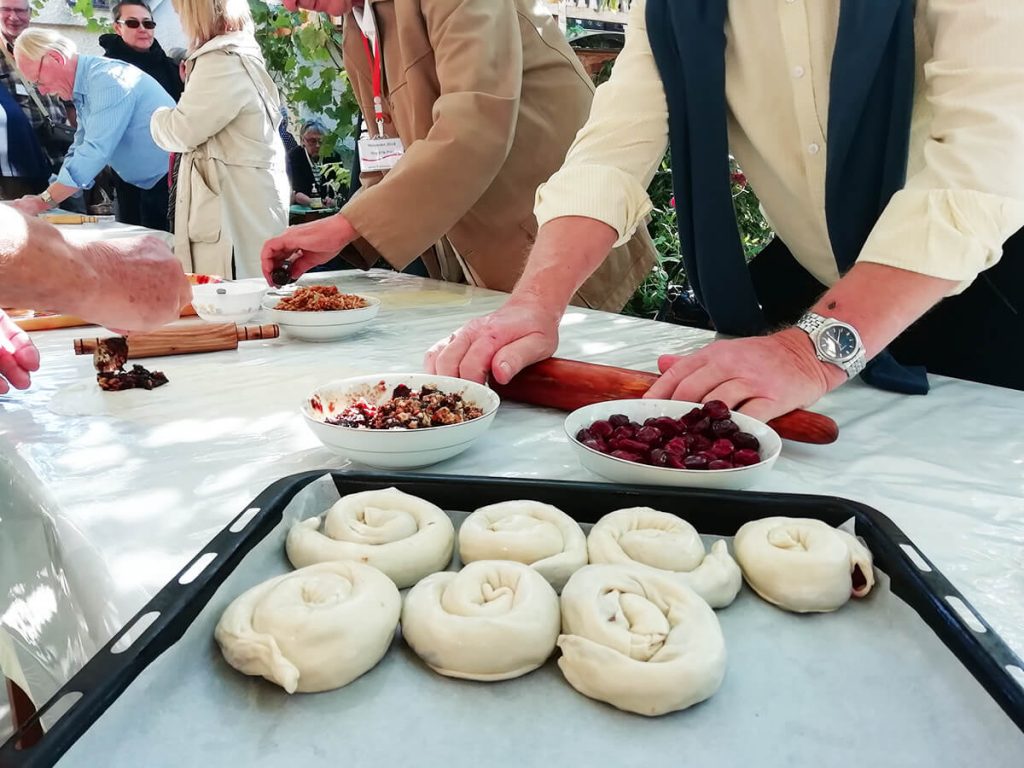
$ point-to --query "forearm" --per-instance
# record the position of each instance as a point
(39, 268)
(879, 301)
(566, 253)
(60, 192)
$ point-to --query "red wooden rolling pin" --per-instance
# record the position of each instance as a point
(568, 385)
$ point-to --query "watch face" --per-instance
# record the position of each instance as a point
(837, 342)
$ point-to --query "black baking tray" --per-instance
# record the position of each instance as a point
(982, 652)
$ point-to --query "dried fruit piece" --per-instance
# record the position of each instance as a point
(282, 274)
(745, 457)
(696, 461)
(716, 409)
(745, 440)
(724, 428)
(722, 449)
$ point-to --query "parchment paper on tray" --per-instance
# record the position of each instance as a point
(867, 685)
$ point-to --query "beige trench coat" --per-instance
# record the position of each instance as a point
(232, 190)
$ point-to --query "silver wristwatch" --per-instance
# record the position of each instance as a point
(46, 197)
(834, 342)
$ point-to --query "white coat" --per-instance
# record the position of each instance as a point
(232, 189)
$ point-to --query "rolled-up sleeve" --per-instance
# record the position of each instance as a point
(110, 111)
(957, 210)
(615, 155)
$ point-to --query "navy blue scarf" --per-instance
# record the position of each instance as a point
(870, 104)
(23, 150)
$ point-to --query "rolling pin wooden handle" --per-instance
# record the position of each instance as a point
(185, 340)
(569, 384)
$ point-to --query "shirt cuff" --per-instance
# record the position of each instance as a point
(65, 177)
(949, 234)
(595, 192)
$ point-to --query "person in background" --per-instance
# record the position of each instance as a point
(232, 190)
(286, 136)
(475, 105)
(114, 102)
(885, 141)
(305, 168)
(24, 168)
(178, 55)
(15, 17)
(131, 284)
(133, 41)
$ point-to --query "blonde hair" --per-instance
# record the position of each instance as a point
(203, 20)
(34, 43)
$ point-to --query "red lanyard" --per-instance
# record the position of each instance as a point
(376, 69)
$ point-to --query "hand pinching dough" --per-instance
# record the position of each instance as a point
(402, 535)
(493, 620)
(314, 629)
(803, 565)
(670, 545)
(639, 640)
(535, 534)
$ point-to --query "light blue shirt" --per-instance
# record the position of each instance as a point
(115, 102)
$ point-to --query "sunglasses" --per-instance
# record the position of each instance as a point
(135, 23)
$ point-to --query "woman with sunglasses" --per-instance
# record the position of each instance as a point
(232, 189)
(133, 41)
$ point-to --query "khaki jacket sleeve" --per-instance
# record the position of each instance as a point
(479, 59)
(615, 155)
(954, 214)
(213, 97)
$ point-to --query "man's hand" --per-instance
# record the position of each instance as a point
(522, 332)
(302, 199)
(319, 241)
(18, 356)
(763, 377)
(139, 284)
(30, 205)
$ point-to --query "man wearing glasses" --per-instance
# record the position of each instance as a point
(115, 102)
(15, 17)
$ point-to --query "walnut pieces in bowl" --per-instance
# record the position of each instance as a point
(321, 312)
(408, 409)
(400, 420)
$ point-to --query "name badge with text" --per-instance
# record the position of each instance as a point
(379, 154)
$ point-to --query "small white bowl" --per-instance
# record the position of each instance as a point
(623, 471)
(396, 448)
(322, 326)
(228, 302)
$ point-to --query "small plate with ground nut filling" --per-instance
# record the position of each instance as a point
(320, 312)
(400, 420)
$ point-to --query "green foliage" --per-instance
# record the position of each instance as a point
(303, 55)
(94, 22)
(667, 278)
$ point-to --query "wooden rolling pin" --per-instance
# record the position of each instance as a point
(568, 385)
(184, 340)
(53, 322)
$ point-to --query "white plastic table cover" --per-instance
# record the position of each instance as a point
(108, 229)
(105, 496)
